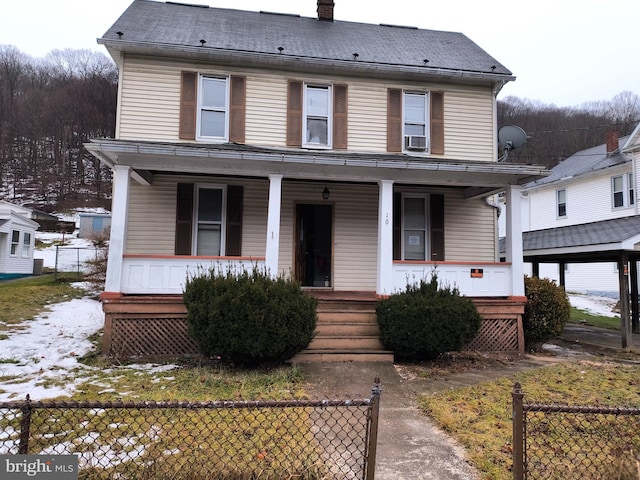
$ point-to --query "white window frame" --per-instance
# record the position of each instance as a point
(202, 78)
(425, 198)
(14, 243)
(26, 244)
(306, 116)
(222, 222)
(425, 124)
(558, 203)
(626, 191)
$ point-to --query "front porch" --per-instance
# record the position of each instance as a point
(156, 325)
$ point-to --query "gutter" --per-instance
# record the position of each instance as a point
(244, 58)
(100, 149)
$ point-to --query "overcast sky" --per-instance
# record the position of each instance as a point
(563, 52)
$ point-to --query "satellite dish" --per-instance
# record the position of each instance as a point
(509, 138)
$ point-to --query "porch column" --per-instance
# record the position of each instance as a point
(384, 284)
(273, 225)
(514, 253)
(118, 235)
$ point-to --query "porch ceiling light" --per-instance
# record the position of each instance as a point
(326, 193)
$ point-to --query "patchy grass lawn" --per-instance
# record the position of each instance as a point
(479, 417)
(25, 298)
(582, 317)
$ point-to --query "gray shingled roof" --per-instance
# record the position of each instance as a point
(584, 161)
(170, 24)
(595, 233)
(605, 232)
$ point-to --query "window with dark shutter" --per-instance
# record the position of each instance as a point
(294, 114)
(437, 123)
(184, 216)
(237, 111)
(340, 117)
(233, 239)
(394, 121)
(436, 223)
(188, 106)
(397, 226)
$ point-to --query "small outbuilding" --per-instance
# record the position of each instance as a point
(94, 225)
(17, 240)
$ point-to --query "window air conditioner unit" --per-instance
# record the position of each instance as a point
(415, 142)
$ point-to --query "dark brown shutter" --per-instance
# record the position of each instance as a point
(394, 121)
(436, 227)
(237, 111)
(184, 216)
(397, 226)
(294, 114)
(340, 117)
(437, 123)
(233, 241)
(188, 103)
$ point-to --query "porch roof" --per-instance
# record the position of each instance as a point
(224, 159)
(588, 242)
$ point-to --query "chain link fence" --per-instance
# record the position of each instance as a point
(271, 440)
(76, 260)
(574, 442)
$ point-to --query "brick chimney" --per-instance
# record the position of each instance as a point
(325, 10)
(612, 141)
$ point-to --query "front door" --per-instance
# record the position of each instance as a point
(313, 246)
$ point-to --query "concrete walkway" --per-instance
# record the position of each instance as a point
(410, 446)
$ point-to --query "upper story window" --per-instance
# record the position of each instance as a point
(561, 202)
(317, 116)
(622, 191)
(15, 242)
(415, 114)
(213, 108)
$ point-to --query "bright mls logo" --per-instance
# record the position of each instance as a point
(49, 467)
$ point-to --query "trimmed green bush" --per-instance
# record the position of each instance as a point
(546, 312)
(249, 318)
(426, 321)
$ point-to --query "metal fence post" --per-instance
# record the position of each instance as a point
(518, 432)
(55, 266)
(372, 443)
(25, 427)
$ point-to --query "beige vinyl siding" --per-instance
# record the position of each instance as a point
(367, 118)
(469, 230)
(468, 125)
(150, 108)
(151, 225)
(266, 113)
(152, 214)
(354, 233)
(150, 101)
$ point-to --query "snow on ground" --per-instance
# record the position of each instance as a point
(46, 349)
(75, 251)
(594, 305)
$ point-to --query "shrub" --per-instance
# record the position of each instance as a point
(426, 321)
(248, 318)
(546, 312)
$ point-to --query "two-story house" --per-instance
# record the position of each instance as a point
(593, 187)
(353, 157)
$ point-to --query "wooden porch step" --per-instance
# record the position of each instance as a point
(347, 329)
(331, 355)
(349, 342)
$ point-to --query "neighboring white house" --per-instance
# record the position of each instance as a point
(591, 188)
(17, 240)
